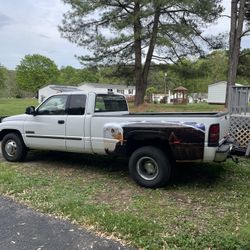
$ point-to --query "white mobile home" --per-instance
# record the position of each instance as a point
(115, 88)
(49, 90)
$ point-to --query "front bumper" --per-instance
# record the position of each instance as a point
(2, 117)
(224, 150)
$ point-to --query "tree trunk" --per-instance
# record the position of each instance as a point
(140, 91)
(237, 19)
(142, 84)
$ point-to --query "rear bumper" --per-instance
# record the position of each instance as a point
(224, 150)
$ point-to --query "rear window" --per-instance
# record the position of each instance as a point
(110, 103)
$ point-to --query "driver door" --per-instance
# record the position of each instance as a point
(46, 130)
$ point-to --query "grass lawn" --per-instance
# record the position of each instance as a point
(12, 106)
(206, 206)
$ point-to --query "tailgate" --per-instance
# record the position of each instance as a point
(224, 121)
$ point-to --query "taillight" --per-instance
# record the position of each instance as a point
(214, 135)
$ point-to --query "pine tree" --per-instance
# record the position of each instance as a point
(140, 31)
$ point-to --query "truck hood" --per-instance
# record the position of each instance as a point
(15, 118)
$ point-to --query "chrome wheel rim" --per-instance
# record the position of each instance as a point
(147, 168)
(11, 148)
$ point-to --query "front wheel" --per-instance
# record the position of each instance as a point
(149, 167)
(13, 148)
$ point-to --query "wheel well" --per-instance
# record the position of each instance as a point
(8, 131)
(135, 143)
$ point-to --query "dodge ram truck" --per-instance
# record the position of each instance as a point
(100, 123)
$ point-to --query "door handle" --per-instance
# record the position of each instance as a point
(60, 122)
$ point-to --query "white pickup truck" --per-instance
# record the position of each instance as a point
(98, 123)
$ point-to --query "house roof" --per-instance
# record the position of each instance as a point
(223, 83)
(108, 86)
(180, 88)
(218, 83)
(64, 88)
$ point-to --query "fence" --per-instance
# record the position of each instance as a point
(239, 101)
(240, 115)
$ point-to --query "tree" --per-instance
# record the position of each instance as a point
(149, 92)
(244, 64)
(3, 76)
(35, 71)
(139, 31)
(68, 75)
(240, 10)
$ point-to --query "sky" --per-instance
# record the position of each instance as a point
(31, 27)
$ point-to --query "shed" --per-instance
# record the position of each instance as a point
(217, 92)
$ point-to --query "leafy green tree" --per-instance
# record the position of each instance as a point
(116, 74)
(35, 71)
(88, 75)
(139, 31)
(68, 75)
(3, 76)
(149, 93)
(244, 64)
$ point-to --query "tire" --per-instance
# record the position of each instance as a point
(13, 148)
(149, 167)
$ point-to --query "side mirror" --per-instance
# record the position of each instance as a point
(30, 110)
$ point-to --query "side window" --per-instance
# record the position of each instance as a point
(110, 103)
(56, 105)
(77, 105)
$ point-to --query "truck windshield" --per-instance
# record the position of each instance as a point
(110, 103)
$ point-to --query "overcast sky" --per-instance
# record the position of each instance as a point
(31, 26)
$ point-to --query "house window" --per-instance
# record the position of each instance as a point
(120, 91)
(130, 91)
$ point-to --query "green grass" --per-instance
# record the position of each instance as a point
(206, 206)
(196, 107)
(14, 106)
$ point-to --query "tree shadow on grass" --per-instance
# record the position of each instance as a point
(198, 174)
(77, 161)
(189, 174)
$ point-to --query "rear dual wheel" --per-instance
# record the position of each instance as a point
(150, 167)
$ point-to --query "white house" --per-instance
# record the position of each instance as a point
(49, 90)
(115, 88)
